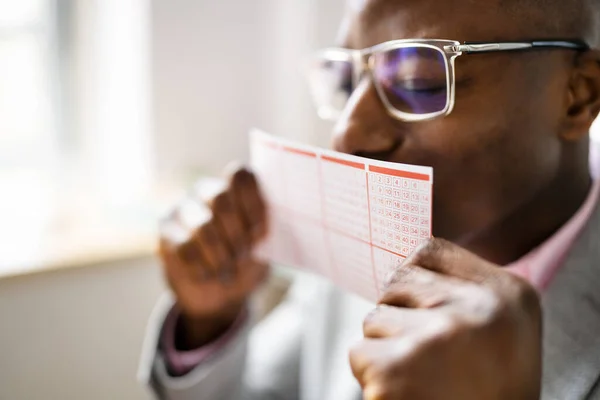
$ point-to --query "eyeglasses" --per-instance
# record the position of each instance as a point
(414, 78)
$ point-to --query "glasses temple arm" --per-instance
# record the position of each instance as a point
(508, 46)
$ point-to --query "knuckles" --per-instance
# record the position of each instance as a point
(431, 249)
(221, 203)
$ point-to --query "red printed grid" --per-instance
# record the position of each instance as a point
(400, 212)
(338, 216)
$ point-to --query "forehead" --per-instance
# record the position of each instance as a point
(369, 22)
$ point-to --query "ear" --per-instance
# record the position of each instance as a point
(584, 95)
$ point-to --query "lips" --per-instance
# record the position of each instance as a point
(386, 155)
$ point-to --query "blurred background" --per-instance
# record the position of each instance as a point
(109, 109)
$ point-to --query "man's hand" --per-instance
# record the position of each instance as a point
(206, 247)
(451, 326)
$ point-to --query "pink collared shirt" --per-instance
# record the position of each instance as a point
(541, 264)
(181, 362)
(538, 266)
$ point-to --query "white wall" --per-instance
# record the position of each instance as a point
(109, 86)
(75, 334)
(221, 67)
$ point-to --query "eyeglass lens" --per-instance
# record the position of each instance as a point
(413, 80)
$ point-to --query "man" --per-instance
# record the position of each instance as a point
(506, 132)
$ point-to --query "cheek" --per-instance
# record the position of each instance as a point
(503, 134)
(488, 158)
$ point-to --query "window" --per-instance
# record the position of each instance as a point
(75, 154)
(29, 109)
(28, 81)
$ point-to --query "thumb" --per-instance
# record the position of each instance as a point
(446, 258)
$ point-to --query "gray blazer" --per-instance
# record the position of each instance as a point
(301, 350)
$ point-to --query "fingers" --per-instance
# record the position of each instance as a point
(215, 252)
(221, 201)
(440, 274)
(211, 231)
(368, 358)
(250, 203)
(179, 255)
(446, 258)
(238, 219)
(205, 248)
(411, 286)
(364, 355)
(387, 321)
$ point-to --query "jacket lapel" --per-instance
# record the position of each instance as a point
(572, 320)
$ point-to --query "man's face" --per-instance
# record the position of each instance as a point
(499, 147)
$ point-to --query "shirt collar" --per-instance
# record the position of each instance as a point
(541, 264)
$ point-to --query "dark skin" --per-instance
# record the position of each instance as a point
(511, 167)
(522, 171)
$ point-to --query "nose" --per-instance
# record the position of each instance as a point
(364, 127)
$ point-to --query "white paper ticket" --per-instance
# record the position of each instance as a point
(350, 219)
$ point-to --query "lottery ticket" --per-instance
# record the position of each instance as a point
(350, 219)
